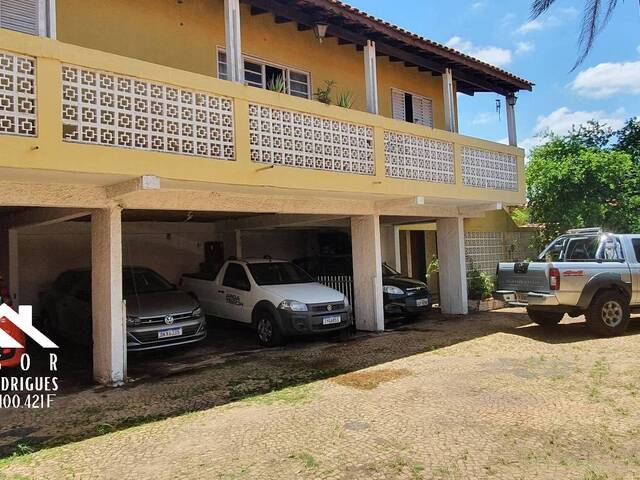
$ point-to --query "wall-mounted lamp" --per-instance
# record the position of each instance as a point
(511, 100)
(320, 29)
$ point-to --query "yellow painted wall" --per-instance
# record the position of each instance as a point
(185, 36)
(493, 221)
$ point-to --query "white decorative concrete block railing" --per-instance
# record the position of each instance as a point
(107, 109)
(418, 158)
(17, 95)
(484, 250)
(487, 169)
(294, 139)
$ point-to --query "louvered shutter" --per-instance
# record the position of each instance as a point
(422, 111)
(397, 100)
(20, 15)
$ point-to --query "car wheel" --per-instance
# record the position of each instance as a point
(543, 318)
(609, 314)
(267, 330)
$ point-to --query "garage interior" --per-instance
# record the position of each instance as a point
(41, 243)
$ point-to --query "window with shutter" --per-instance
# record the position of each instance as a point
(411, 108)
(20, 15)
(422, 111)
(397, 99)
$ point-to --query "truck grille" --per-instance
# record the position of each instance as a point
(324, 308)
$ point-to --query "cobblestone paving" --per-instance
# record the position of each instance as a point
(483, 397)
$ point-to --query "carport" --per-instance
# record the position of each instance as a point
(371, 221)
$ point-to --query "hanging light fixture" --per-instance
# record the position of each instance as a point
(320, 29)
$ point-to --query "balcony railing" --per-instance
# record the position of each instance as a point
(120, 103)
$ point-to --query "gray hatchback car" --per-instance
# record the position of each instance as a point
(158, 314)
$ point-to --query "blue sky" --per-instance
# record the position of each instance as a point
(605, 87)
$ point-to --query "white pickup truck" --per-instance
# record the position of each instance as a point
(583, 272)
(276, 297)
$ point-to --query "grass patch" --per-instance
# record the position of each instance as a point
(306, 458)
(370, 380)
(290, 395)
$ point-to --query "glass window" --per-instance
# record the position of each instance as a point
(387, 271)
(582, 249)
(299, 84)
(222, 66)
(236, 277)
(636, 248)
(278, 273)
(253, 74)
(258, 74)
(142, 280)
(610, 249)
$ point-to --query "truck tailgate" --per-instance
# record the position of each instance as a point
(523, 277)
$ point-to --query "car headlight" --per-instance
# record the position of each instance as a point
(392, 290)
(133, 321)
(197, 312)
(293, 306)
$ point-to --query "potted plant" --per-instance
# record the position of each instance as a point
(480, 286)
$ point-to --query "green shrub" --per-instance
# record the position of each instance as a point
(479, 284)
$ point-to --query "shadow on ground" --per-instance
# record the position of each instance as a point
(228, 367)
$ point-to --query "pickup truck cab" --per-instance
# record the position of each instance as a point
(584, 272)
(277, 298)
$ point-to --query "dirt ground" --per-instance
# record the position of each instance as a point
(484, 396)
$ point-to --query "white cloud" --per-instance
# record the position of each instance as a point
(638, 49)
(607, 79)
(494, 55)
(479, 5)
(524, 47)
(562, 120)
(484, 118)
(538, 24)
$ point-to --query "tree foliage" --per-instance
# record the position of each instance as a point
(596, 14)
(587, 178)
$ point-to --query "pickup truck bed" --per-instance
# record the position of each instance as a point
(583, 272)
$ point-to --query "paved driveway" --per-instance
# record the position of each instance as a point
(487, 396)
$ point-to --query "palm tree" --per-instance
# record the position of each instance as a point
(597, 14)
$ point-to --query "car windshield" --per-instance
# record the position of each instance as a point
(387, 271)
(137, 281)
(278, 273)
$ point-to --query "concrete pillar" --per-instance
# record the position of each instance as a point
(238, 243)
(14, 267)
(371, 76)
(511, 119)
(449, 101)
(235, 63)
(367, 273)
(396, 249)
(109, 323)
(453, 271)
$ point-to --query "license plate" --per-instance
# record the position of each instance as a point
(509, 297)
(174, 332)
(422, 302)
(332, 320)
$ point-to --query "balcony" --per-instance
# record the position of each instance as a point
(74, 110)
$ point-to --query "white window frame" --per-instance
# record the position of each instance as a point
(414, 95)
(264, 64)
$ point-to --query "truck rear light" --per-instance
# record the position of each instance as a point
(554, 279)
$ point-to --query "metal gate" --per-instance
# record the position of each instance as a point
(342, 283)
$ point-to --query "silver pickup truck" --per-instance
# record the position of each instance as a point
(584, 272)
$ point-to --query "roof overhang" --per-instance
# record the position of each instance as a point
(352, 26)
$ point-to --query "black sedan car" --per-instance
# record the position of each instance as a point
(403, 296)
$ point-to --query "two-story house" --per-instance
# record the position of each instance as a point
(119, 109)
